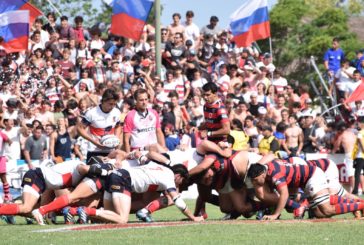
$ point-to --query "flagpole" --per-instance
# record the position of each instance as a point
(52, 5)
(271, 48)
(158, 57)
(271, 54)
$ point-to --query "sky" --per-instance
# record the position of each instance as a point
(203, 9)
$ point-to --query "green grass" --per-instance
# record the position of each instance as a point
(347, 232)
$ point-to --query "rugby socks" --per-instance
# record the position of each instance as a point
(73, 210)
(9, 209)
(6, 188)
(160, 203)
(343, 208)
(292, 204)
(334, 199)
(90, 211)
(58, 203)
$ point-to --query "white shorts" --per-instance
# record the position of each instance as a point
(108, 196)
(31, 190)
(90, 184)
(332, 176)
(316, 183)
(348, 161)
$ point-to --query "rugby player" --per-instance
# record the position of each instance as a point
(91, 184)
(99, 121)
(43, 181)
(312, 179)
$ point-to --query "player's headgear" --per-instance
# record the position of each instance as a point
(255, 170)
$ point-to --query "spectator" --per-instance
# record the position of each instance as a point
(35, 147)
(171, 139)
(241, 139)
(358, 156)
(212, 29)
(192, 31)
(6, 188)
(333, 57)
(60, 143)
(175, 27)
(269, 143)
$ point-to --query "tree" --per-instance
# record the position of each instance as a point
(304, 28)
(70, 8)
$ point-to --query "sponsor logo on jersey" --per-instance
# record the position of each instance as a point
(144, 130)
(115, 187)
(27, 179)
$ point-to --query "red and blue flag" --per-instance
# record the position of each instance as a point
(14, 30)
(12, 5)
(129, 17)
(250, 23)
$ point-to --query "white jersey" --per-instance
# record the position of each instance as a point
(62, 175)
(101, 123)
(151, 177)
(189, 158)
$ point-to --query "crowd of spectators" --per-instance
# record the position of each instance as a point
(45, 91)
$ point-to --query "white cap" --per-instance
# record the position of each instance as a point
(247, 67)
(262, 110)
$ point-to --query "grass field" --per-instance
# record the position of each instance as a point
(339, 230)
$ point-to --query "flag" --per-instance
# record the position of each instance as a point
(129, 17)
(250, 22)
(14, 29)
(358, 93)
(12, 5)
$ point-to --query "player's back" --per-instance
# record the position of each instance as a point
(151, 177)
(295, 175)
(322, 163)
(62, 175)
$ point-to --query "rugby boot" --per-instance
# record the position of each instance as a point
(68, 217)
(144, 215)
(82, 216)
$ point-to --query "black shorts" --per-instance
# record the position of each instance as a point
(35, 179)
(119, 181)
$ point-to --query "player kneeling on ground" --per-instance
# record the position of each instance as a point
(43, 181)
(151, 177)
(308, 177)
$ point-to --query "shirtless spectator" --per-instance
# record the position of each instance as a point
(294, 138)
(346, 140)
(275, 112)
(176, 26)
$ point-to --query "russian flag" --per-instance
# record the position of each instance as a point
(129, 17)
(250, 22)
(14, 29)
(12, 5)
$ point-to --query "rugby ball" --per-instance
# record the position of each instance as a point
(110, 141)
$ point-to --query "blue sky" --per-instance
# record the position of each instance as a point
(203, 9)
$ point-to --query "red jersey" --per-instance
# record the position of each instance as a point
(215, 116)
(320, 163)
(293, 176)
